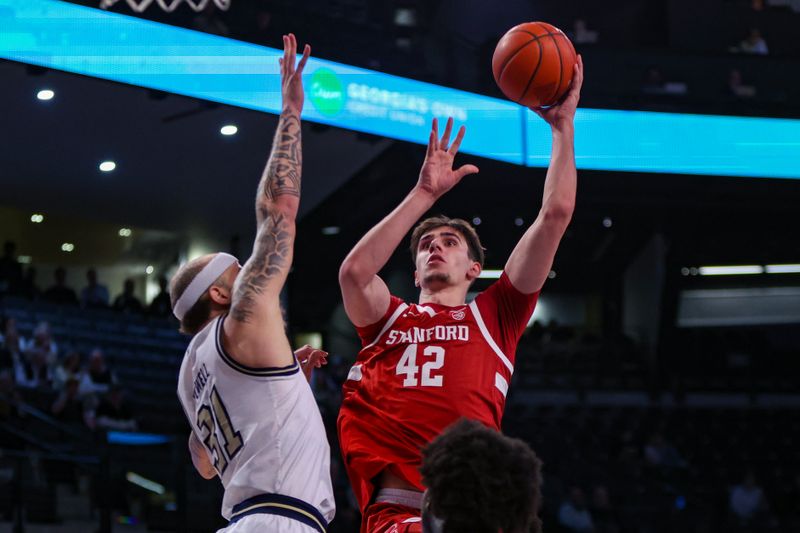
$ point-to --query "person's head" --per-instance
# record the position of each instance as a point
(91, 277)
(128, 287)
(162, 283)
(60, 276)
(202, 289)
(755, 35)
(479, 481)
(41, 334)
(97, 362)
(446, 251)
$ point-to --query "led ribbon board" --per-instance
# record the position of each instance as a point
(644, 141)
(116, 47)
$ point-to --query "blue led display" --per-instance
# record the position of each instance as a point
(126, 49)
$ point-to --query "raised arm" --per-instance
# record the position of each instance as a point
(365, 295)
(532, 258)
(254, 330)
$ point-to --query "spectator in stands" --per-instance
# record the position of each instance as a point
(28, 288)
(94, 295)
(69, 408)
(754, 44)
(10, 269)
(660, 453)
(581, 34)
(736, 86)
(161, 306)
(127, 302)
(38, 358)
(747, 502)
(573, 515)
(12, 347)
(42, 345)
(60, 293)
(69, 368)
(604, 516)
(99, 378)
(114, 413)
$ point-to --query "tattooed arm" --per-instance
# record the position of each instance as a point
(254, 331)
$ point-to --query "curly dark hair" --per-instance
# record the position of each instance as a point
(480, 481)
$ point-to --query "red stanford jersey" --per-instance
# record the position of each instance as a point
(421, 368)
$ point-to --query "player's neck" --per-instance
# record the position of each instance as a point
(450, 296)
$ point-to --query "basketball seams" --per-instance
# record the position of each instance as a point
(512, 56)
(535, 70)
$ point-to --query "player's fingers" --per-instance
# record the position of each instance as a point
(446, 136)
(466, 170)
(453, 150)
(304, 59)
(431, 144)
(291, 61)
(435, 128)
(578, 78)
(285, 50)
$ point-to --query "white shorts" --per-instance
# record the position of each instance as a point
(267, 523)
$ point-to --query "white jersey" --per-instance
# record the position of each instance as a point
(261, 426)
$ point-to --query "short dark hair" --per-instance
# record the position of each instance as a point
(199, 313)
(480, 481)
(476, 252)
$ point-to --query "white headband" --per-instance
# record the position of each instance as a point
(202, 282)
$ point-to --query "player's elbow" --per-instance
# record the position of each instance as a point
(285, 206)
(558, 214)
(353, 273)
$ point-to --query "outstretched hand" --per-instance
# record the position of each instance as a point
(437, 175)
(310, 358)
(563, 113)
(291, 75)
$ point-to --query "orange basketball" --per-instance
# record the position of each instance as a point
(533, 64)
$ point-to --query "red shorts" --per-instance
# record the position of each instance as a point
(391, 518)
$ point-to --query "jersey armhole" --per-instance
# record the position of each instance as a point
(260, 372)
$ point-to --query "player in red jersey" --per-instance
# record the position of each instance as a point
(424, 365)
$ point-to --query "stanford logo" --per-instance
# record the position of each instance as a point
(458, 315)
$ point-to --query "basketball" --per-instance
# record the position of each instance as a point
(533, 64)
